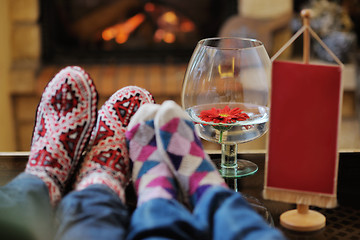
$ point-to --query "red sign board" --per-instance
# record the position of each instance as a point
(304, 121)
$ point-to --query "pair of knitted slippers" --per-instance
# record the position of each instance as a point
(67, 121)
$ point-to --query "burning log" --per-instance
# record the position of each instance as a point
(102, 18)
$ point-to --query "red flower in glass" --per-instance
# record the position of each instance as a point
(225, 115)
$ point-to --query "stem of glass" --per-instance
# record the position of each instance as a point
(229, 158)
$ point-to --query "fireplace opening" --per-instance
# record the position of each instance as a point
(103, 31)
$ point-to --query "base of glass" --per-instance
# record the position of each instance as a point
(244, 168)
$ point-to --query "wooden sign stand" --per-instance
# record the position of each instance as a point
(303, 219)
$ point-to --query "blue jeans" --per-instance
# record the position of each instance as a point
(97, 213)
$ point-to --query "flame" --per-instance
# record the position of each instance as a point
(187, 26)
(149, 7)
(169, 37)
(158, 35)
(170, 18)
(169, 25)
(122, 31)
(166, 36)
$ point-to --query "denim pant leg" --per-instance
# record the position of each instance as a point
(25, 209)
(230, 217)
(92, 213)
(165, 219)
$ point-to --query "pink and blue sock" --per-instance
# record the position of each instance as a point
(151, 176)
(183, 151)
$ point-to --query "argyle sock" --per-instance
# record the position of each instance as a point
(107, 162)
(152, 177)
(65, 118)
(182, 150)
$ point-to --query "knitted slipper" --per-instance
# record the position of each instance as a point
(183, 151)
(108, 162)
(65, 117)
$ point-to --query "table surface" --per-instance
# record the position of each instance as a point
(342, 222)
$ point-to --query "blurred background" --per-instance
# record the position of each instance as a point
(149, 43)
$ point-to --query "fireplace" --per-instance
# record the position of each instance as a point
(49, 35)
(128, 31)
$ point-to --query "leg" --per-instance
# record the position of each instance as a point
(95, 212)
(96, 209)
(64, 119)
(25, 209)
(162, 218)
(158, 213)
(231, 217)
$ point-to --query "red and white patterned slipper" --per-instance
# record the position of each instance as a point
(65, 118)
(108, 160)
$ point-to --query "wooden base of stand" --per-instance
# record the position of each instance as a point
(306, 221)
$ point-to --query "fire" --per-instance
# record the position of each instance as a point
(149, 7)
(162, 35)
(169, 37)
(187, 26)
(170, 25)
(169, 18)
(122, 31)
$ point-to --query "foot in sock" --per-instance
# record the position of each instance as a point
(107, 162)
(65, 118)
(152, 177)
(183, 152)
